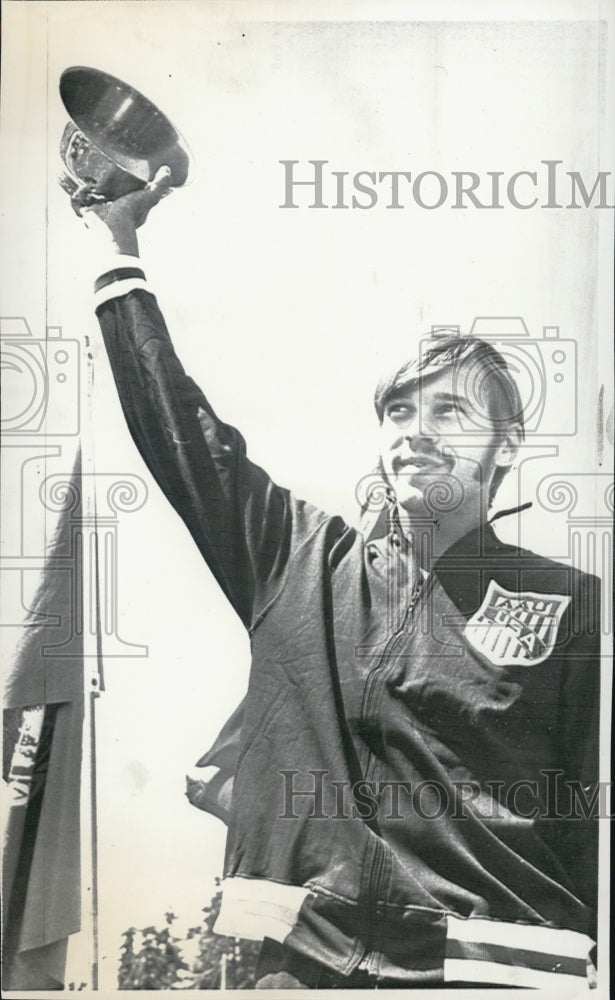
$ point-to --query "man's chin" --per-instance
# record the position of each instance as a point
(411, 498)
(414, 494)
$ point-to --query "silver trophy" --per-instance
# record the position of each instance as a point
(116, 140)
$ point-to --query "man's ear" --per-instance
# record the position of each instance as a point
(508, 445)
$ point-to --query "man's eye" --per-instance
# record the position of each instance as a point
(397, 411)
(446, 409)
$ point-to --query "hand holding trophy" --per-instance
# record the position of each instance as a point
(116, 142)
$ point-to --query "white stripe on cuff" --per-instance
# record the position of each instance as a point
(117, 288)
(531, 937)
(496, 974)
(257, 908)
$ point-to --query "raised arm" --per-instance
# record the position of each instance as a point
(245, 526)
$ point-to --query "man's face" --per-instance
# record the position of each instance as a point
(423, 445)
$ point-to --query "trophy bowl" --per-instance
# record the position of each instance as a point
(116, 140)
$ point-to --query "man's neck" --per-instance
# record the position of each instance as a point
(450, 529)
(432, 535)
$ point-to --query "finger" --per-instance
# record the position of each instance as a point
(162, 174)
(77, 206)
(161, 183)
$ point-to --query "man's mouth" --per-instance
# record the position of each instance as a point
(421, 463)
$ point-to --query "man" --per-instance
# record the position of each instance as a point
(421, 716)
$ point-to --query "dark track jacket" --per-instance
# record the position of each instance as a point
(415, 770)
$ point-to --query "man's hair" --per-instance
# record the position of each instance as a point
(487, 380)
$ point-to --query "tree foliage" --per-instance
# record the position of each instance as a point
(153, 958)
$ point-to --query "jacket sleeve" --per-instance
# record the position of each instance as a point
(244, 525)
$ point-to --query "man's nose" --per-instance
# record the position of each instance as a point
(419, 431)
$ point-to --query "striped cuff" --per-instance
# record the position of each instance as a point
(125, 276)
(481, 950)
(255, 908)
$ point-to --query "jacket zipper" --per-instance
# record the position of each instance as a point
(376, 671)
(378, 862)
(377, 869)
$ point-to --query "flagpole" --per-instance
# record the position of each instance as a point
(83, 960)
(91, 680)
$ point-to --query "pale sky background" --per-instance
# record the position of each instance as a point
(286, 318)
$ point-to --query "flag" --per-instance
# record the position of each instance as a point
(43, 729)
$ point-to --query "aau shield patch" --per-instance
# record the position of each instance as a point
(511, 628)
